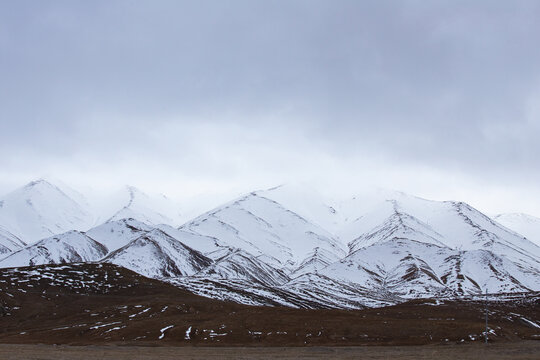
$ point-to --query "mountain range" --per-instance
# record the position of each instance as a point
(282, 246)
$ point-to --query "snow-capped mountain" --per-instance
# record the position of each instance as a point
(41, 209)
(410, 268)
(115, 234)
(290, 246)
(526, 225)
(44, 208)
(456, 225)
(262, 226)
(307, 202)
(134, 245)
(72, 246)
(413, 247)
(131, 202)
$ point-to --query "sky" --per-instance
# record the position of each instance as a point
(440, 99)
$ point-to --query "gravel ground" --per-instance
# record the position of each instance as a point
(517, 350)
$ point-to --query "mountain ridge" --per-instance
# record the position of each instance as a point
(383, 249)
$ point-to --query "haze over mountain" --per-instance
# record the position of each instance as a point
(43, 207)
(524, 224)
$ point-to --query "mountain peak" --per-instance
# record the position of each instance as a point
(41, 209)
(40, 184)
(40, 181)
(141, 207)
(134, 190)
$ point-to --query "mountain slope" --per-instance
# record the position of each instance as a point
(315, 261)
(9, 242)
(156, 254)
(333, 293)
(41, 209)
(411, 268)
(132, 203)
(115, 234)
(202, 243)
(436, 248)
(262, 226)
(397, 224)
(307, 202)
(238, 264)
(72, 246)
(455, 225)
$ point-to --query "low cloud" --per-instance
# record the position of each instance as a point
(438, 98)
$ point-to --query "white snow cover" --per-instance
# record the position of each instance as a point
(262, 226)
(331, 293)
(40, 209)
(453, 224)
(72, 246)
(43, 208)
(315, 261)
(9, 242)
(156, 254)
(132, 203)
(115, 234)
(410, 268)
(310, 203)
(202, 243)
(238, 264)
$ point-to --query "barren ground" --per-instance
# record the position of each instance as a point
(120, 314)
(519, 350)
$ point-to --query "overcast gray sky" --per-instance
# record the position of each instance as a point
(437, 98)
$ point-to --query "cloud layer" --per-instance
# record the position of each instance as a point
(440, 98)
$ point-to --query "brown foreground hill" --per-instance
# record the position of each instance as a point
(93, 304)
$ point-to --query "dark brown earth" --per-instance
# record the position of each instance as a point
(101, 304)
